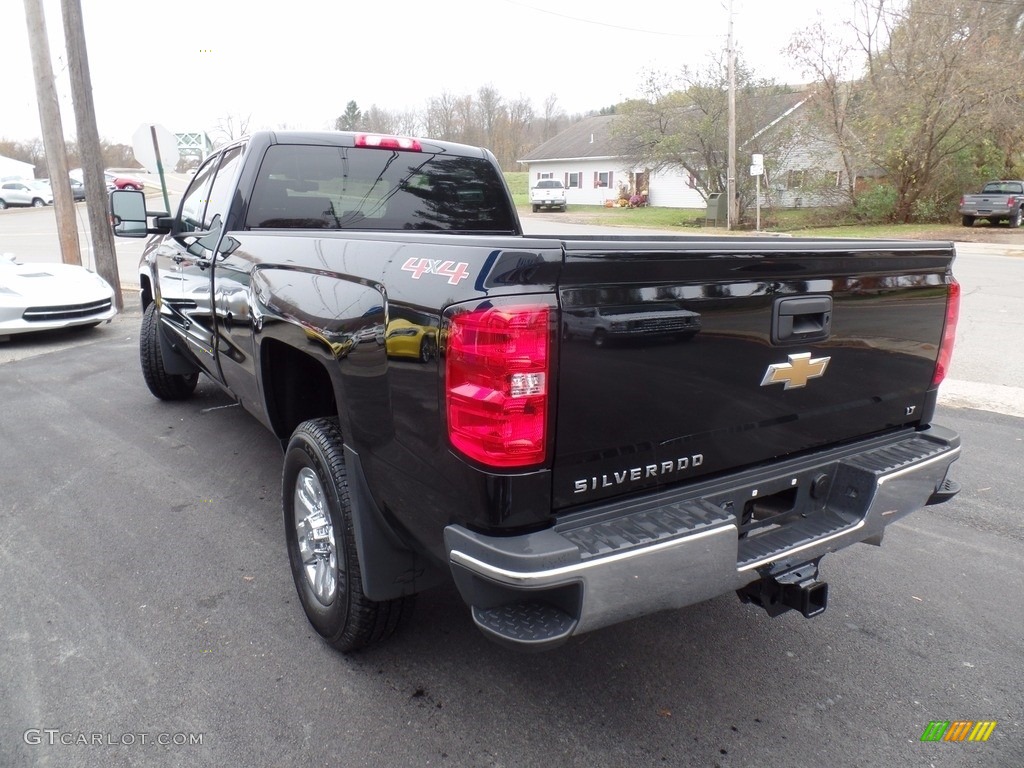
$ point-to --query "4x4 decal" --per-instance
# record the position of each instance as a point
(455, 272)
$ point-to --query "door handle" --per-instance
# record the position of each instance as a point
(801, 319)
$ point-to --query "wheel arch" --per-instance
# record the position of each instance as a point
(296, 387)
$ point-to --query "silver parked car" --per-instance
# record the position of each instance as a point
(25, 192)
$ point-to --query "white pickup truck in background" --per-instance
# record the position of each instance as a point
(548, 193)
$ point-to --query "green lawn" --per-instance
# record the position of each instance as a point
(798, 221)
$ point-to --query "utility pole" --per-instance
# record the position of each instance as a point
(733, 203)
(89, 148)
(53, 133)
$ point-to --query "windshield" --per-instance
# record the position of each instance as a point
(1003, 188)
(549, 184)
(318, 187)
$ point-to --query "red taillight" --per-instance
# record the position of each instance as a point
(948, 334)
(497, 379)
(379, 141)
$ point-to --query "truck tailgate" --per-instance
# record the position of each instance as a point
(681, 359)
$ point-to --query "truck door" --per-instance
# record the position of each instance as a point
(185, 260)
(183, 272)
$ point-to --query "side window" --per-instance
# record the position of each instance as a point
(223, 186)
(193, 204)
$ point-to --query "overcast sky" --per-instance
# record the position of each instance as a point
(186, 64)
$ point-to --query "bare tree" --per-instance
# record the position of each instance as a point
(554, 118)
(230, 127)
(833, 64)
(468, 127)
(516, 135)
(681, 122)
(379, 120)
(441, 121)
(490, 110)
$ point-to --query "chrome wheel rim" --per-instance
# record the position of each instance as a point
(315, 534)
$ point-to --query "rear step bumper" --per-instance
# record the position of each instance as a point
(634, 557)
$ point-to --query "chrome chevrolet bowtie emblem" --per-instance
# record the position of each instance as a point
(796, 372)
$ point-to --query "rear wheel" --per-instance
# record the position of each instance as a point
(3, 205)
(1015, 218)
(166, 386)
(321, 543)
(428, 349)
(38, 202)
(536, 208)
(967, 221)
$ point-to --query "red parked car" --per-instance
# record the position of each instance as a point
(122, 182)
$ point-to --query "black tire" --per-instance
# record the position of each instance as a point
(315, 500)
(967, 221)
(536, 208)
(600, 337)
(1014, 220)
(38, 202)
(562, 209)
(166, 386)
(3, 205)
(428, 349)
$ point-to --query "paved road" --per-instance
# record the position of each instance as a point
(145, 591)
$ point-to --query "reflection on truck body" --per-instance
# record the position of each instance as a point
(602, 324)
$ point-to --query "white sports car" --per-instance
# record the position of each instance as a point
(40, 297)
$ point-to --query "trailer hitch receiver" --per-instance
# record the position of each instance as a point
(797, 589)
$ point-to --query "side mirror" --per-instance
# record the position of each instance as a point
(129, 216)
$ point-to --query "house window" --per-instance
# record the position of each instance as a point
(602, 179)
(545, 176)
(795, 179)
(573, 180)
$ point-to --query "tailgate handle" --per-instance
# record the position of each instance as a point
(801, 319)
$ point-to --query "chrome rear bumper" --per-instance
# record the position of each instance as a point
(635, 557)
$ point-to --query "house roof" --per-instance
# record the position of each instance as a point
(9, 167)
(591, 138)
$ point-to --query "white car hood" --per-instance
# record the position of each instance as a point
(50, 284)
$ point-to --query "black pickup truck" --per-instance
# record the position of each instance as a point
(374, 302)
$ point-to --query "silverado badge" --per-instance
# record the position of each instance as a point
(794, 374)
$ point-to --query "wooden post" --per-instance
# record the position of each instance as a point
(89, 148)
(53, 133)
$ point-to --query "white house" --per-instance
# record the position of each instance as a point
(584, 159)
(807, 171)
(15, 169)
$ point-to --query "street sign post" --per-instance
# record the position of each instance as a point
(757, 170)
(155, 147)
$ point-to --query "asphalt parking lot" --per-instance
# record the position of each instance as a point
(148, 618)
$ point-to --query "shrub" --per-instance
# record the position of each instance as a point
(876, 204)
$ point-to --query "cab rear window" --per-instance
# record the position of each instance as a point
(318, 187)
